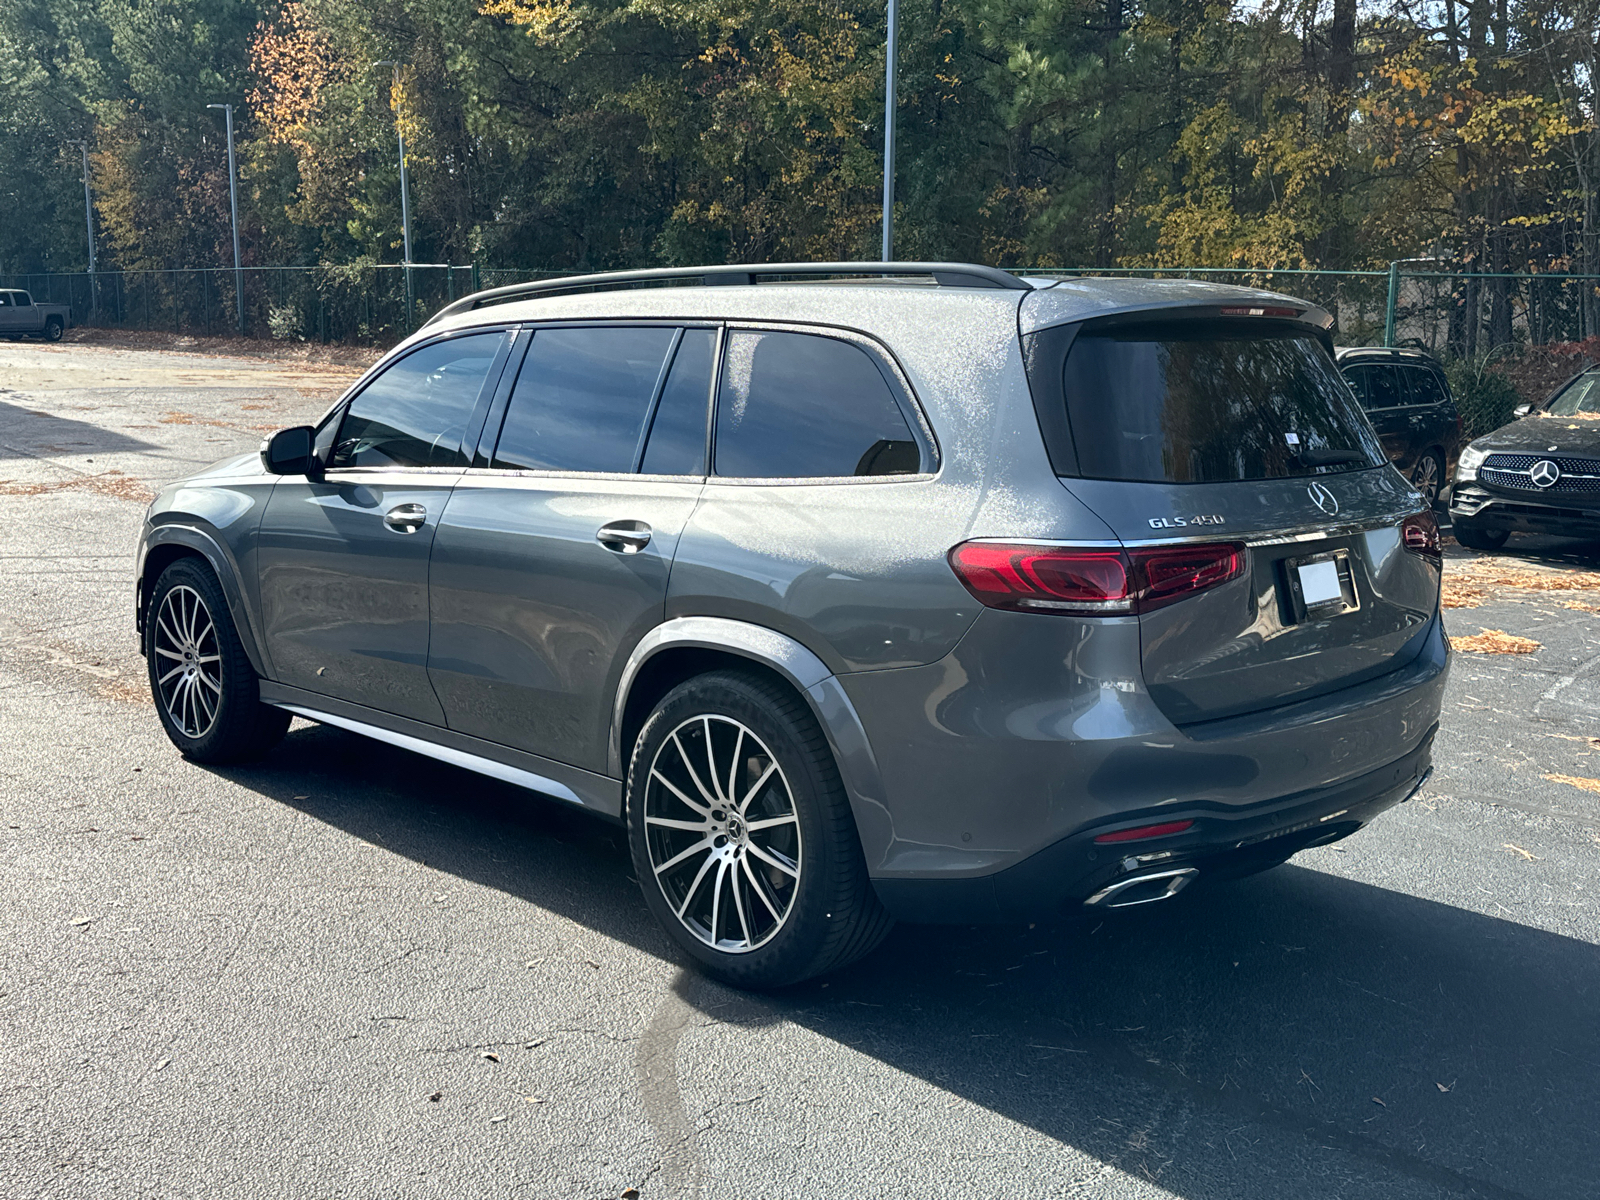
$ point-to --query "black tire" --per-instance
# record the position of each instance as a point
(1474, 538)
(829, 915)
(205, 690)
(1428, 478)
(53, 329)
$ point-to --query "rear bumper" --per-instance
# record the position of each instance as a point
(1567, 516)
(1221, 843)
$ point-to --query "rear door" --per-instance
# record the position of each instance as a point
(1225, 431)
(1386, 399)
(552, 558)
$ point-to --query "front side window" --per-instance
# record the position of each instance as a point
(1580, 397)
(581, 399)
(415, 413)
(798, 405)
(1204, 402)
(5, 299)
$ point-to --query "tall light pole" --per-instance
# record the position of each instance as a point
(88, 216)
(888, 135)
(405, 191)
(233, 202)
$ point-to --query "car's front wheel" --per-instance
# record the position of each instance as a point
(1474, 538)
(742, 834)
(204, 688)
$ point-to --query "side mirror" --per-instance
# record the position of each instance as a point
(288, 452)
(1522, 410)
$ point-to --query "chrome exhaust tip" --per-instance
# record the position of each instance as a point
(1143, 889)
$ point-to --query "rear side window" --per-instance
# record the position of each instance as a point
(581, 399)
(677, 444)
(1202, 403)
(415, 413)
(1426, 387)
(799, 405)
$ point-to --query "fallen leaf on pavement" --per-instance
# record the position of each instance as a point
(1519, 850)
(491, 1057)
(495, 1120)
(82, 921)
(1494, 641)
(1577, 781)
(162, 1065)
(1445, 1087)
(435, 1098)
(630, 1194)
(1375, 1100)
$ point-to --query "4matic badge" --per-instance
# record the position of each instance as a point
(1186, 522)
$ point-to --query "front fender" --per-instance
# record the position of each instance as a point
(193, 537)
(858, 767)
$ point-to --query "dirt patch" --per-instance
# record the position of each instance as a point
(1495, 641)
(106, 483)
(124, 691)
(238, 347)
(1577, 781)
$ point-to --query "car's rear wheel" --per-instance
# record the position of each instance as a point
(742, 835)
(1428, 477)
(1479, 539)
(204, 688)
(52, 329)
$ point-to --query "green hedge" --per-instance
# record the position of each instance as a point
(1484, 397)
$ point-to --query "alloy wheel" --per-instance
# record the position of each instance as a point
(723, 833)
(189, 662)
(1426, 478)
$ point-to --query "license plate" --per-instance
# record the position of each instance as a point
(1319, 583)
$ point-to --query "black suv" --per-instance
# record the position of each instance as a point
(1408, 401)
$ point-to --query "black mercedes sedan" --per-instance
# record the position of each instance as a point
(1540, 474)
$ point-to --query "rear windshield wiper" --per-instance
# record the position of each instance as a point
(1328, 458)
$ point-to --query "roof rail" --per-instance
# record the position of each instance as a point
(943, 274)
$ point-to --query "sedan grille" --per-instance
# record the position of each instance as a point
(1515, 472)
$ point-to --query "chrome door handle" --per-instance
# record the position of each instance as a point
(405, 518)
(624, 537)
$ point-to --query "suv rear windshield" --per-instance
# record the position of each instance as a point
(1201, 402)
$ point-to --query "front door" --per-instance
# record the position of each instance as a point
(343, 558)
(10, 315)
(552, 562)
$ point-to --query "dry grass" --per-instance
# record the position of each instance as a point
(1577, 781)
(1495, 641)
(1581, 605)
(1468, 584)
(107, 483)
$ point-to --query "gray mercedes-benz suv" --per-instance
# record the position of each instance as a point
(856, 591)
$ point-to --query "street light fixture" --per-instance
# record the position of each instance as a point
(888, 133)
(233, 201)
(405, 191)
(88, 216)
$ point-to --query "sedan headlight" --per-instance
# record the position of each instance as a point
(1469, 462)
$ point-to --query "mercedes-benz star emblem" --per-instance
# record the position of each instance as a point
(1323, 499)
(1544, 473)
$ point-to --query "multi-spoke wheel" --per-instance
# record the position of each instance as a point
(723, 835)
(188, 665)
(1428, 477)
(742, 835)
(200, 677)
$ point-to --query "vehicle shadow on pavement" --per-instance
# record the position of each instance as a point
(1293, 1034)
(31, 434)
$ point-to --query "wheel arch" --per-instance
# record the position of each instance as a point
(165, 545)
(680, 649)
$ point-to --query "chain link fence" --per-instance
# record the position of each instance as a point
(1458, 315)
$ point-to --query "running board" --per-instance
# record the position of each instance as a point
(448, 754)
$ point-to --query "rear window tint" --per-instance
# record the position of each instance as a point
(1201, 404)
(1426, 387)
(795, 405)
(581, 398)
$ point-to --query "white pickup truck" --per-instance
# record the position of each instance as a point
(20, 316)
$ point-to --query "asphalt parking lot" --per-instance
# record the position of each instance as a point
(350, 971)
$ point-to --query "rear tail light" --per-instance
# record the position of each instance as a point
(1092, 581)
(1420, 534)
(1142, 832)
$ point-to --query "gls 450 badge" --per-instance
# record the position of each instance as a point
(1185, 522)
